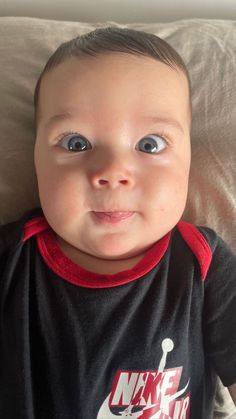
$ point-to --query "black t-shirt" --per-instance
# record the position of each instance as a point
(143, 343)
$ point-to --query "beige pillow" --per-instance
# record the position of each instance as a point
(209, 50)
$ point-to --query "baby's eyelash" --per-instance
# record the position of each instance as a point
(64, 134)
(163, 134)
(160, 133)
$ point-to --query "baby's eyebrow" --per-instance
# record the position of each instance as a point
(165, 121)
(65, 116)
(59, 117)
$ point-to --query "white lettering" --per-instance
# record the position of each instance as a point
(124, 390)
(184, 410)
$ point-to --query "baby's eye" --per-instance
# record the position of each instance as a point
(152, 144)
(75, 142)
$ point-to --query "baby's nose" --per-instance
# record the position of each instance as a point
(113, 174)
(111, 180)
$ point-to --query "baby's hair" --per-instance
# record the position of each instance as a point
(113, 39)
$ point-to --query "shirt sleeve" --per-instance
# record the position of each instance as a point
(219, 309)
(10, 237)
(11, 234)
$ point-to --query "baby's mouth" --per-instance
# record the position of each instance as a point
(113, 216)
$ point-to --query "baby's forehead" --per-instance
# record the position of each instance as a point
(95, 76)
(119, 60)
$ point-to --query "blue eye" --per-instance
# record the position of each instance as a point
(152, 144)
(75, 142)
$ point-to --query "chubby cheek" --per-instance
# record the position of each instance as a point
(61, 195)
(167, 193)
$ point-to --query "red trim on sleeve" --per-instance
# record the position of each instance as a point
(34, 226)
(198, 244)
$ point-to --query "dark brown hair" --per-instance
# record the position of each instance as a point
(113, 39)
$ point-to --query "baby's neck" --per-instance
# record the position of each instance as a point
(95, 264)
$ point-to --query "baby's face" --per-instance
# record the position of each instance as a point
(113, 136)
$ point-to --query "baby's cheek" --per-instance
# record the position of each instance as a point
(179, 195)
(59, 196)
(173, 194)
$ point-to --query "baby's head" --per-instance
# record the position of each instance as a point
(112, 153)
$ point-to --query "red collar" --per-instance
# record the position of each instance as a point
(64, 267)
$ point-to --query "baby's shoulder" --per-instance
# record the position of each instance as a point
(207, 245)
(11, 234)
(8, 235)
(196, 235)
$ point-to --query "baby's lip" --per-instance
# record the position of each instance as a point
(113, 216)
(113, 211)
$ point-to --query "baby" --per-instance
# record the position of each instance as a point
(110, 305)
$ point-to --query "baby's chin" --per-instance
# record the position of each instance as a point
(102, 259)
